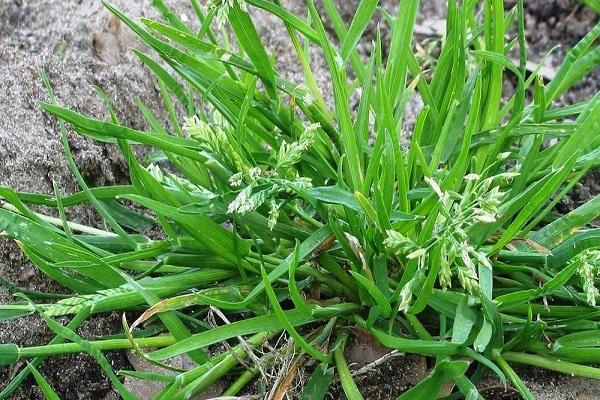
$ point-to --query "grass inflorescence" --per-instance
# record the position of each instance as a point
(282, 210)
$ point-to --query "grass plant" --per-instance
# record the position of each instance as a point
(282, 209)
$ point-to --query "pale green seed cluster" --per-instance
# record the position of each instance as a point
(214, 139)
(588, 270)
(73, 305)
(263, 186)
(399, 244)
(262, 189)
(248, 200)
(458, 213)
(290, 153)
(176, 182)
(222, 7)
(273, 214)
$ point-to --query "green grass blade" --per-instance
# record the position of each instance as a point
(164, 76)
(80, 180)
(170, 15)
(92, 351)
(348, 385)
(107, 130)
(340, 92)
(22, 375)
(362, 17)
(250, 41)
(533, 205)
(287, 17)
(560, 229)
(47, 391)
(430, 387)
(588, 128)
(381, 301)
(202, 228)
(298, 340)
(248, 326)
(318, 383)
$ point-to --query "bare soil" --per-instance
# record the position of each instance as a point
(79, 45)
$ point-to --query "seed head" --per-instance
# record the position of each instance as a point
(222, 7)
(590, 262)
(273, 215)
(236, 179)
(398, 244)
(291, 153)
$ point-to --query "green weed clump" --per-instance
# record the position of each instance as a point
(282, 213)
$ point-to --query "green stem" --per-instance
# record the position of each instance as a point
(553, 364)
(59, 222)
(223, 367)
(110, 344)
(241, 382)
(420, 330)
(348, 383)
(514, 378)
(75, 323)
(522, 257)
(552, 311)
(338, 287)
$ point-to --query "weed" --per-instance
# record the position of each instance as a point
(288, 213)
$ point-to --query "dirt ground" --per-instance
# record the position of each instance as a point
(79, 45)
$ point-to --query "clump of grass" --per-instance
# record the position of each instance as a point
(287, 214)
